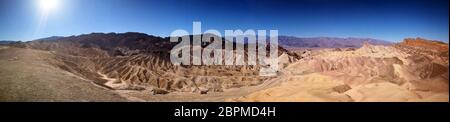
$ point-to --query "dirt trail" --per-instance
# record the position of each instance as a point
(111, 83)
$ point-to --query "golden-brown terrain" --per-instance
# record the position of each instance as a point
(369, 74)
(136, 67)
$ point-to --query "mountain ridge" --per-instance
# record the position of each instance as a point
(284, 40)
(328, 42)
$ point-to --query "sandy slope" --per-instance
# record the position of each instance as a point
(311, 87)
(368, 74)
(26, 76)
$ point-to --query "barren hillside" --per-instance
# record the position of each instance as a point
(136, 67)
(403, 72)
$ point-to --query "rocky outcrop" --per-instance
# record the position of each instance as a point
(408, 71)
(435, 50)
(135, 60)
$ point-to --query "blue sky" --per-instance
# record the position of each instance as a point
(390, 20)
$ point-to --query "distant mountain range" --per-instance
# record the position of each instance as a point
(327, 42)
(53, 38)
(284, 41)
(6, 42)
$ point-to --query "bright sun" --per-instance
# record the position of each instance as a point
(48, 5)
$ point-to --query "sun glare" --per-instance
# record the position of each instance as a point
(48, 5)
